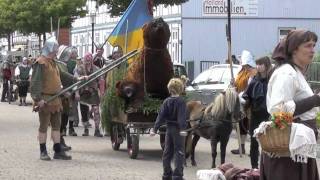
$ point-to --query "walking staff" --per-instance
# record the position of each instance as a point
(228, 30)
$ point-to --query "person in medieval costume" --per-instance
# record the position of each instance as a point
(117, 52)
(64, 56)
(111, 80)
(23, 73)
(98, 59)
(89, 95)
(288, 91)
(71, 65)
(45, 83)
(241, 83)
(6, 77)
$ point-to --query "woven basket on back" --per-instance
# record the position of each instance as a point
(275, 140)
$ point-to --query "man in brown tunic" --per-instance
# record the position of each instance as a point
(46, 82)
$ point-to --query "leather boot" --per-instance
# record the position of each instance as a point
(236, 151)
(44, 156)
(71, 129)
(72, 132)
(86, 132)
(63, 132)
(59, 154)
(97, 133)
(64, 146)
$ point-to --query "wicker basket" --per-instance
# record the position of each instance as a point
(275, 140)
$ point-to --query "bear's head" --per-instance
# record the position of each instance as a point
(156, 34)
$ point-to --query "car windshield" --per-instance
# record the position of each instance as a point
(215, 75)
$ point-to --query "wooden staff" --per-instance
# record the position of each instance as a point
(228, 30)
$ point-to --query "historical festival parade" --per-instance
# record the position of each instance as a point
(159, 89)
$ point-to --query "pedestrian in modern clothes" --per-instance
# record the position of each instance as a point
(255, 96)
(173, 114)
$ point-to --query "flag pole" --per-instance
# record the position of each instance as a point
(126, 37)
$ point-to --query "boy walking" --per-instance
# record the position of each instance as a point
(173, 114)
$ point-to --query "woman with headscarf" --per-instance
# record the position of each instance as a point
(243, 78)
(288, 90)
(89, 95)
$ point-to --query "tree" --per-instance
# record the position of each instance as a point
(117, 7)
(33, 16)
(7, 20)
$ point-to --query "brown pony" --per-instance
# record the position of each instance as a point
(213, 122)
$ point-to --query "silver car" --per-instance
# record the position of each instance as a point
(208, 84)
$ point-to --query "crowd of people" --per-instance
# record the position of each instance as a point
(263, 89)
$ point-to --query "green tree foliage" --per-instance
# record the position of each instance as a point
(33, 16)
(117, 7)
(317, 57)
(7, 19)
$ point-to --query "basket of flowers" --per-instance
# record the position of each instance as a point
(276, 136)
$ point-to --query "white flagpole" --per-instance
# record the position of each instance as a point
(126, 39)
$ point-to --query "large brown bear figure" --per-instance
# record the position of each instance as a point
(152, 70)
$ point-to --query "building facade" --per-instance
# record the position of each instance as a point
(103, 24)
(257, 26)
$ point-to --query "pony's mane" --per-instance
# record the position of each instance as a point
(223, 103)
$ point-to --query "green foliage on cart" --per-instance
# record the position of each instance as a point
(111, 103)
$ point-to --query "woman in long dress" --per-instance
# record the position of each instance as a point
(288, 89)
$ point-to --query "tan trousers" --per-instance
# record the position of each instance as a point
(53, 118)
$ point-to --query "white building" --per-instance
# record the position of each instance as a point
(257, 25)
(103, 25)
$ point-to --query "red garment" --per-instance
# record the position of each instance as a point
(6, 74)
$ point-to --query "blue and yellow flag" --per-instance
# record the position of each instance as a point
(128, 32)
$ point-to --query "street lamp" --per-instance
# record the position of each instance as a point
(93, 21)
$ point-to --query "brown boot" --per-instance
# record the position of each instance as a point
(236, 151)
(86, 132)
(97, 133)
(44, 156)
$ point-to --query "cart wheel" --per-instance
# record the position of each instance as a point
(129, 141)
(133, 148)
(114, 138)
(162, 141)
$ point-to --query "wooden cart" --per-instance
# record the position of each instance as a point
(130, 126)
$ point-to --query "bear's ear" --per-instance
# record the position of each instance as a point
(144, 26)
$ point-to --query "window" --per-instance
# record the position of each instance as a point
(283, 31)
(97, 37)
(75, 39)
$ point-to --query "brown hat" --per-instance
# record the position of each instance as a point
(291, 42)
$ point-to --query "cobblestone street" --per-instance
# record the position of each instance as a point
(93, 158)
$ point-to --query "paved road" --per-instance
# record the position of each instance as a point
(93, 158)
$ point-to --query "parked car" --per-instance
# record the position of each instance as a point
(208, 84)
